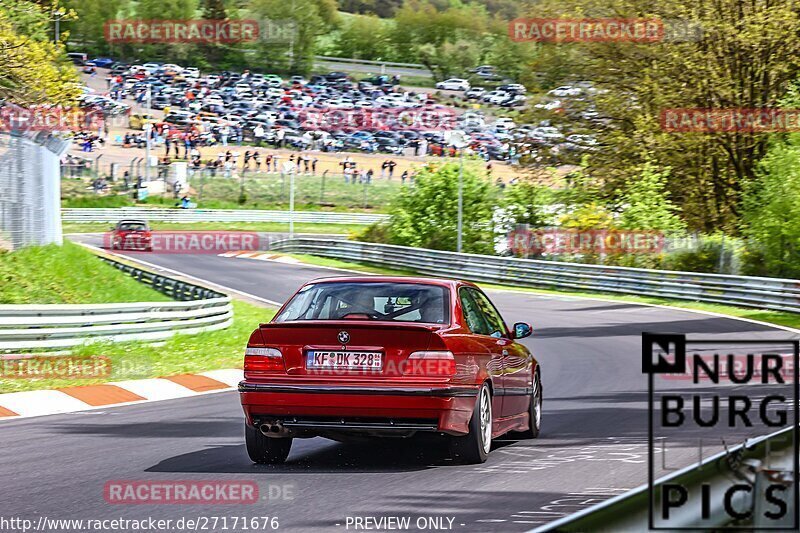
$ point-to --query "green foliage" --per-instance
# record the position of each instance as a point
(646, 204)
(589, 216)
(707, 257)
(381, 8)
(379, 232)
(747, 57)
(87, 27)
(33, 70)
(447, 37)
(363, 38)
(310, 19)
(214, 9)
(528, 202)
(771, 213)
(425, 214)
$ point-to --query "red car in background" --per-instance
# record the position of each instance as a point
(131, 235)
(388, 356)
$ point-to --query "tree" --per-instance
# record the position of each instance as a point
(425, 215)
(214, 9)
(771, 213)
(362, 37)
(33, 70)
(529, 202)
(746, 57)
(89, 24)
(303, 23)
(646, 204)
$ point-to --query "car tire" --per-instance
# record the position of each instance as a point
(534, 409)
(266, 450)
(474, 447)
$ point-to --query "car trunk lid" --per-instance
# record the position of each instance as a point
(308, 346)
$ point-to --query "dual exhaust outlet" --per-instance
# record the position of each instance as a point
(271, 429)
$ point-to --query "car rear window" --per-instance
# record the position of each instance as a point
(399, 302)
(132, 226)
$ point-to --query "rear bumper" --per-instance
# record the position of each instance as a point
(323, 408)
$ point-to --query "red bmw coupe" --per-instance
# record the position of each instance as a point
(388, 356)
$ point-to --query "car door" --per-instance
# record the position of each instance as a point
(516, 361)
(476, 321)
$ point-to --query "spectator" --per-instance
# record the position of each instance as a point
(224, 132)
(391, 164)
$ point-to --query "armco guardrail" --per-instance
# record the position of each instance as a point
(763, 293)
(742, 464)
(25, 327)
(179, 216)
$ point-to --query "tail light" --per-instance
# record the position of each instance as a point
(263, 359)
(431, 363)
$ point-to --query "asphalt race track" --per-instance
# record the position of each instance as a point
(593, 444)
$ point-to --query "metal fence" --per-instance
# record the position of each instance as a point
(213, 215)
(27, 327)
(763, 293)
(30, 191)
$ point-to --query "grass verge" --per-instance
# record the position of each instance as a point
(66, 274)
(773, 317)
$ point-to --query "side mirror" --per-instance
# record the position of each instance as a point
(522, 330)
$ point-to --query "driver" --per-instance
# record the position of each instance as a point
(360, 303)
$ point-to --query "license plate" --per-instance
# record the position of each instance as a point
(343, 360)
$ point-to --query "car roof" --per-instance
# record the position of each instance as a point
(450, 283)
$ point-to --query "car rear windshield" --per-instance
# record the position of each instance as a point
(399, 302)
(132, 226)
